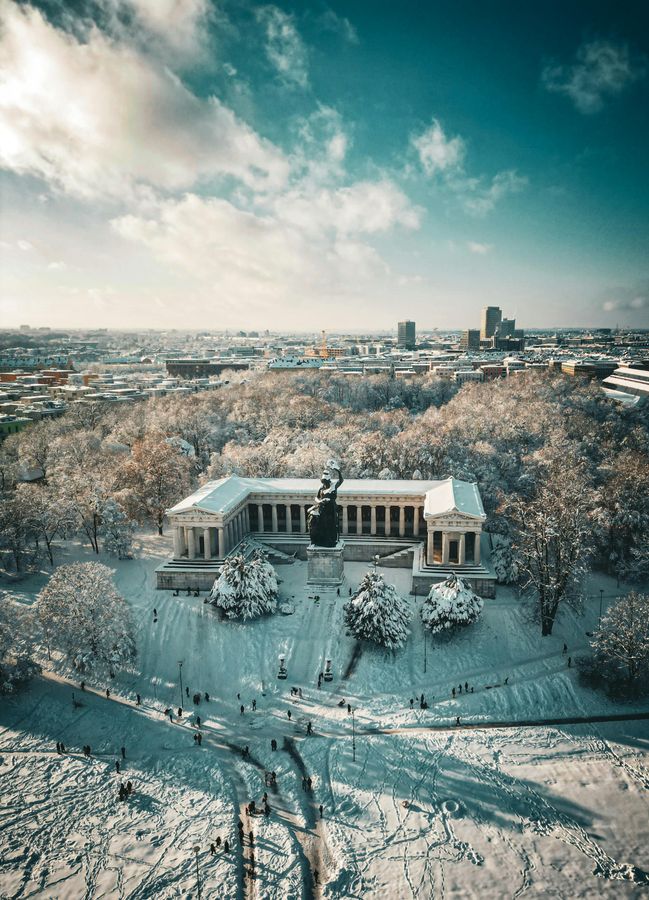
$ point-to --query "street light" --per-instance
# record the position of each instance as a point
(353, 736)
(425, 650)
(198, 876)
(180, 673)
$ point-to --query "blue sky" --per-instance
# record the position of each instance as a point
(185, 163)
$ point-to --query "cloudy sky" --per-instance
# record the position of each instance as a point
(317, 164)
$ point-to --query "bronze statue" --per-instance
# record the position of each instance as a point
(323, 515)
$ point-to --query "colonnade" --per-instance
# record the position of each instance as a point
(369, 517)
(210, 542)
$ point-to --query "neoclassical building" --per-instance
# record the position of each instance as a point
(433, 527)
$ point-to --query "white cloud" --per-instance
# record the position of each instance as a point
(602, 69)
(285, 48)
(480, 249)
(24, 245)
(98, 119)
(444, 157)
(626, 304)
(437, 153)
(179, 25)
(479, 198)
(300, 248)
(366, 207)
(331, 21)
(57, 266)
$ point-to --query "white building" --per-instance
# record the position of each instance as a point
(432, 527)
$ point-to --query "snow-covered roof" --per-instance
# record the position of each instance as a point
(452, 495)
(226, 493)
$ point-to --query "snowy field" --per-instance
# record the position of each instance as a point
(426, 809)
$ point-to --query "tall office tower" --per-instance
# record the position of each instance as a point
(491, 318)
(507, 328)
(406, 335)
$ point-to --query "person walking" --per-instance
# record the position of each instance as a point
(117, 766)
(457, 721)
(107, 694)
(412, 703)
(273, 744)
(460, 688)
(218, 842)
(226, 845)
(83, 685)
(58, 746)
(212, 850)
(569, 662)
(309, 783)
(453, 692)
(139, 700)
(187, 691)
(207, 696)
(129, 787)
(241, 708)
(304, 782)
(254, 705)
(466, 687)
(289, 715)
(123, 751)
(565, 649)
(198, 721)
(309, 729)
(507, 680)
(321, 808)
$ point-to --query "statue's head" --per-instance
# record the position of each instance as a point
(331, 470)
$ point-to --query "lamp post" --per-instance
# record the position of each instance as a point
(198, 876)
(180, 675)
(353, 736)
(425, 650)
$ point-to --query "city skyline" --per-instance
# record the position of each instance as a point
(338, 166)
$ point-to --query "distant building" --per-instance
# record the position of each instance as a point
(491, 319)
(470, 339)
(507, 327)
(202, 368)
(407, 335)
(626, 384)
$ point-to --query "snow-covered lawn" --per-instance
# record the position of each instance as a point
(536, 812)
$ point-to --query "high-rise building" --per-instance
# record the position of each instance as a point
(470, 339)
(491, 318)
(507, 328)
(407, 335)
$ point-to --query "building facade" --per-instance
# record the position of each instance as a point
(490, 321)
(431, 527)
(407, 334)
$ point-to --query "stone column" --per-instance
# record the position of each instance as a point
(207, 537)
(388, 520)
(221, 541)
(246, 520)
(191, 544)
(444, 548)
(260, 518)
(302, 519)
(415, 521)
(359, 519)
(289, 521)
(402, 521)
(179, 543)
(476, 553)
(273, 513)
(372, 519)
(461, 550)
(430, 547)
(345, 520)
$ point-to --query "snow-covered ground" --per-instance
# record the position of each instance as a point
(421, 812)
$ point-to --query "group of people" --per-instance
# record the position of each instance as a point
(125, 791)
(216, 845)
(423, 704)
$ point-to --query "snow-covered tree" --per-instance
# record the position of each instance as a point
(117, 530)
(46, 514)
(246, 589)
(450, 604)
(622, 641)
(158, 476)
(16, 666)
(553, 531)
(83, 615)
(378, 613)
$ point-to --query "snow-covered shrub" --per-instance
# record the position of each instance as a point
(246, 589)
(15, 667)
(378, 613)
(450, 604)
(504, 560)
(83, 615)
(621, 644)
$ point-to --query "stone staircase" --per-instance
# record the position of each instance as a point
(401, 559)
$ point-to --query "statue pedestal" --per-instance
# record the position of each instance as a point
(325, 565)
